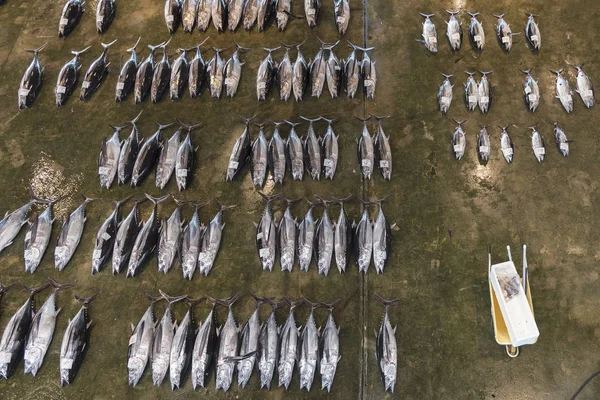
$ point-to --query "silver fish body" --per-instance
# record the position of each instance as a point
(210, 243)
(215, 70)
(330, 152)
(233, 74)
(190, 246)
(288, 228)
(259, 159)
(140, 346)
(288, 349)
(143, 76)
(532, 33)
(504, 33)
(268, 351)
(179, 75)
(317, 71)
(333, 74)
(125, 239)
(485, 90)
(562, 142)
(184, 163)
(382, 241)
(383, 153)
(329, 352)
(324, 243)
(454, 31)
(459, 142)
(181, 348)
(40, 335)
(31, 82)
(265, 76)
(476, 32)
(235, 11)
(369, 76)
(282, 13)
(75, 341)
(105, 14)
(69, 17)
(204, 350)
(309, 352)
(285, 77)
(67, 78)
(204, 14)
(161, 347)
(506, 146)
(276, 157)
(250, 14)
(70, 236)
(14, 338)
(484, 145)
(311, 11)
(169, 241)
(445, 95)
(161, 78)
(471, 92)
(96, 73)
(108, 160)
(342, 239)
(37, 239)
(537, 145)
(366, 153)
(147, 157)
(248, 347)
(266, 238)
(352, 74)
(585, 88)
(430, 38)
(531, 91)
(295, 154)
(564, 92)
(306, 240)
(129, 151)
(219, 15)
(387, 352)
(341, 15)
(313, 159)
(239, 154)
(127, 74)
(300, 76)
(363, 242)
(228, 349)
(172, 14)
(167, 159)
(189, 12)
(197, 73)
(105, 240)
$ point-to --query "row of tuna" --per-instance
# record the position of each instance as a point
(454, 32)
(179, 348)
(481, 93)
(322, 239)
(28, 335)
(133, 159)
(484, 146)
(231, 14)
(317, 155)
(73, 11)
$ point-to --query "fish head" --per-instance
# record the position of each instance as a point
(307, 373)
(32, 360)
(389, 373)
(285, 371)
(159, 369)
(244, 372)
(96, 263)
(327, 374)
(64, 377)
(60, 257)
(32, 256)
(224, 376)
(135, 369)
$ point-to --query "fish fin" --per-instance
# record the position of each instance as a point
(132, 328)
(375, 333)
(89, 324)
(395, 328)
(57, 311)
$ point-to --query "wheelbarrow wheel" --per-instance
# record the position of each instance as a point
(512, 351)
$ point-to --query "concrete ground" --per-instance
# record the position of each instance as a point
(447, 211)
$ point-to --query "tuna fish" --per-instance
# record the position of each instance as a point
(276, 156)
(163, 341)
(184, 163)
(295, 153)
(311, 10)
(382, 240)
(211, 242)
(189, 11)
(162, 77)
(504, 33)
(228, 348)
(108, 160)
(454, 31)
(366, 151)
(531, 91)
(215, 70)
(563, 91)
(363, 240)
(283, 13)
(324, 241)
(264, 13)
(125, 239)
(476, 32)
(37, 238)
(288, 346)
(341, 15)
(181, 349)
(31, 82)
(15, 334)
(506, 145)
(308, 354)
(67, 78)
(235, 10)
(170, 239)
(266, 235)
(197, 72)
(172, 14)
(537, 144)
(383, 150)
(445, 94)
(70, 235)
(250, 14)
(265, 75)
(96, 73)
(386, 347)
(287, 232)
(317, 71)
(485, 91)
(268, 347)
(140, 343)
(300, 74)
(562, 142)
(352, 72)
(368, 74)
(167, 159)
(126, 79)
(240, 152)
(74, 343)
(249, 335)
(430, 38)
(129, 152)
(190, 244)
(219, 14)
(471, 92)
(312, 150)
(329, 349)
(342, 238)
(205, 347)
(179, 75)
(484, 145)
(584, 87)
(459, 141)
(70, 16)
(532, 33)
(105, 14)
(105, 239)
(258, 166)
(285, 75)
(144, 74)
(329, 151)
(11, 224)
(146, 240)
(233, 71)
(147, 156)
(333, 72)
(204, 14)
(306, 239)
(41, 332)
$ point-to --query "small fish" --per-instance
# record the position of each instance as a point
(96, 73)
(476, 32)
(105, 238)
(311, 11)
(183, 344)
(37, 238)
(105, 14)
(189, 11)
(233, 71)
(184, 162)
(108, 160)
(532, 33)
(197, 72)
(342, 238)
(129, 152)
(265, 75)
(287, 233)
(288, 346)
(531, 90)
(204, 350)
(506, 145)
(454, 30)
(562, 142)
(147, 156)
(179, 75)
(584, 87)
(211, 241)
(266, 235)
(172, 14)
(215, 70)
(306, 239)
(459, 141)
(485, 92)
(126, 79)
(125, 239)
(329, 150)
(387, 348)
(341, 15)
(324, 241)
(366, 151)
(67, 78)
(70, 16)
(70, 235)
(31, 82)
(445, 94)
(308, 345)
(484, 144)
(144, 75)
(363, 240)
(312, 150)
(504, 33)
(228, 348)
(170, 239)
(167, 159)
(329, 349)
(240, 152)
(219, 15)
(383, 150)
(204, 14)
(250, 14)
(190, 244)
(295, 153)
(430, 38)
(235, 11)
(258, 167)
(300, 74)
(382, 240)
(563, 91)
(75, 341)
(161, 78)
(537, 144)
(471, 92)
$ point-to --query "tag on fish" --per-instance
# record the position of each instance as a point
(484, 149)
(233, 164)
(477, 38)
(587, 94)
(96, 254)
(24, 92)
(539, 150)
(120, 85)
(66, 363)
(105, 236)
(366, 163)
(484, 99)
(132, 363)
(328, 163)
(508, 151)
(100, 18)
(456, 36)
(534, 38)
(445, 100)
(203, 257)
(505, 39)
(472, 99)
(368, 83)
(457, 148)
(569, 98)
(28, 236)
(311, 12)
(527, 89)
(264, 253)
(182, 172)
(564, 146)
(63, 21)
(61, 89)
(432, 39)
(384, 164)
(85, 84)
(5, 357)
(532, 97)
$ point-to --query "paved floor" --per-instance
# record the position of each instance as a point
(447, 211)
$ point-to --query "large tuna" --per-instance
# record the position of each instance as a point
(240, 152)
(70, 16)
(108, 159)
(459, 141)
(147, 157)
(287, 232)
(311, 11)
(11, 224)
(584, 87)
(67, 78)
(313, 160)
(366, 151)
(506, 145)
(96, 73)
(382, 240)
(329, 150)
(144, 75)
(454, 31)
(215, 70)
(483, 144)
(211, 242)
(300, 75)
(105, 14)
(471, 92)
(531, 90)
(38, 237)
(504, 33)
(486, 91)
(363, 240)
(170, 239)
(265, 75)
(430, 38)
(537, 145)
(204, 14)
(105, 239)
(184, 162)
(288, 346)
(295, 153)
(190, 244)
(268, 348)
(125, 239)
(329, 349)
(172, 14)
(342, 238)
(189, 11)
(31, 82)
(258, 166)
(179, 75)
(249, 335)
(276, 157)
(70, 235)
(341, 15)
(227, 354)
(181, 349)
(266, 236)
(562, 142)
(306, 239)
(308, 354)
(219, 15)
(563, 91)
(126, 79)
(445, 94)
(383, 150)
(532, 33)
(197, 73)
(386, 348)
(476, 32)
(324, 241)
(233, 71)
(128, 154)
(161, 78)
(204, 349)
(167, 159)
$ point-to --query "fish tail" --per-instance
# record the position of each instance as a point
(223, 207)
(132, 48)
(364, 120)
(171, 299)
(153, 299)
(34, 290)
(86, 300)
(310, 303)
(382, 117)
(157, 200)
(386, 303)
(36, 51)
(241, 47)
(447, 76)
(247, 120)
(186, 126)
(342, 200)
(330, 306)
(4, 288)
(77, 53)
(484, 73)
(107, 45)
(260, 300)
(228, 302)
(89, 199)
(293, 304)
(426, 15)
(452, 12)
(133, 121)
(473, 14)
(498, 15)
(557, 72)
(292, 124)
(525, 71)
(161, 127)
(59, 286)
(118, 203)
(192, 302)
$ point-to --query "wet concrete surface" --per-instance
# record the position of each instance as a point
(445, 336)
